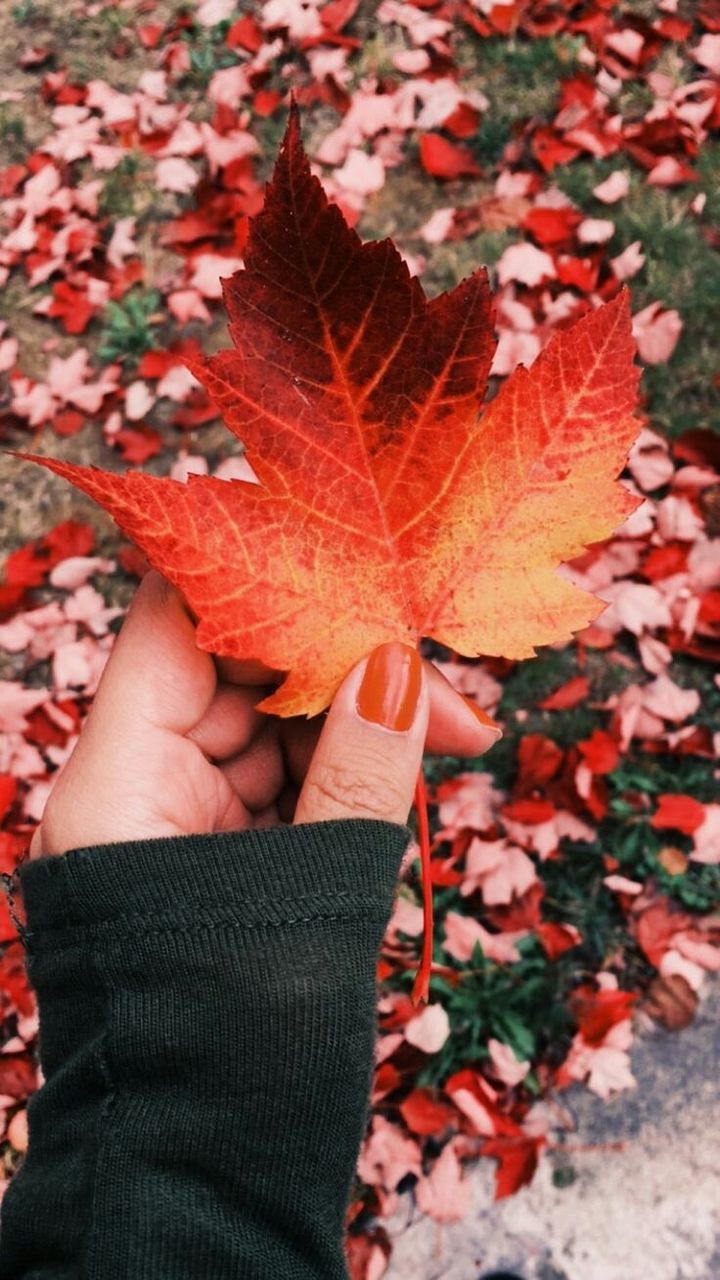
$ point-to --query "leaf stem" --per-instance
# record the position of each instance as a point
(421, 986)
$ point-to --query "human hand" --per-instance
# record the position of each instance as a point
(173, 744)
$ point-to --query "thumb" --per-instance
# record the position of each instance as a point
(370, 750)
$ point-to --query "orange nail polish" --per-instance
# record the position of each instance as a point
(391, 686)
(482, 716)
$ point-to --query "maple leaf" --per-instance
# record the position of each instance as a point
(389, 507)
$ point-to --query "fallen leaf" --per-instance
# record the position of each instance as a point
(429, 1029)
(445, 1194)
(671, 1001)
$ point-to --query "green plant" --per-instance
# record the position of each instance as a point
(127, 332)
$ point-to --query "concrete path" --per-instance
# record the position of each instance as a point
(650, 1211)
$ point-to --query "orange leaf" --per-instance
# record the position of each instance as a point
(389, 507)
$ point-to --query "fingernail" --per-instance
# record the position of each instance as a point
(482, 716)
(390, 687)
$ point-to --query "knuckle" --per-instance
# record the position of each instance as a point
(366, 786)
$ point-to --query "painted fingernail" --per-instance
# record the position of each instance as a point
(390, 687)
(483, 716)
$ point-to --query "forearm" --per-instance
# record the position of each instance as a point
(207, 1020)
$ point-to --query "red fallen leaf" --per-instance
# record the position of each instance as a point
(44, 731)
(463, 121)
(28, 565)
(12, 598)
(68, 422)
(137, 444)
(10, 179)
(529, 811)
(338, 387)
(555, 227)
(682, 813)
(8, 792)
(600, 752)
(517, 1161)
(477, 1101)
(71, 306)
(337, 13)
(568, 695)
(266, 101)
(425, 1113)
(150, 35)
(581, 273)
(597, 1011)
(662, 562)
(710, 608)
(539, 759)
(700, 446)
(155, 364)
(245, 34)
(523, 913)
(443, 159)
(556, 938)
(367, 1254)
(505, 17)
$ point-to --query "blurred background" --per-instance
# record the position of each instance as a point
(548, 1114)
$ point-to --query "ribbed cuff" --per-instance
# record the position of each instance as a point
(258, 873)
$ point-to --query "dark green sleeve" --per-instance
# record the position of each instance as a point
(207, 1022)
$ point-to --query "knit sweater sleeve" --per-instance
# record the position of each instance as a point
(207, 1023)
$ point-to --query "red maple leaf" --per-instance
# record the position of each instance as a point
(388, 506)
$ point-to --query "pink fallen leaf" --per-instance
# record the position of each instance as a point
(706, 838)
(467, 802)
(621, 884)
(702, 953)
(388, 1155)
(122, 244)
(595, 230)
(656, 332)
(614, 188)
(629, 262)
(445, 1194)
(16, 702)
(500, 870)
(209, 270)
(177, 175)
(463, 932)
(75, 571)
(429, 1029)
(361, 174)
(675, 965)
(707, 53)
(649, 461)
(635, 606)
(662, 697)
(505, 1065)
(139, 400)
(526, 264)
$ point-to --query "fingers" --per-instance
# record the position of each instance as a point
(371, 745)
(230, 722)
(156, 676)
(457, 727)
(257, 774)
